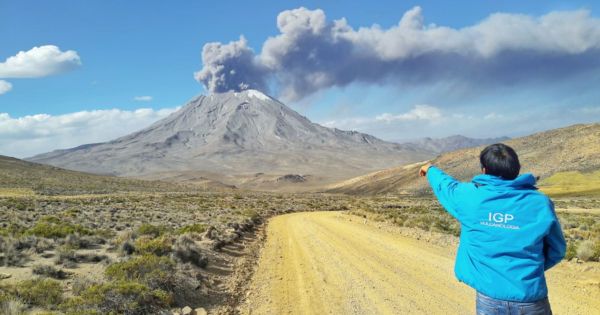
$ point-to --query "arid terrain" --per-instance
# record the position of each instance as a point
(78, 243)
(336, 263)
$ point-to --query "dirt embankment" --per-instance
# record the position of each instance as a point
(334, 263)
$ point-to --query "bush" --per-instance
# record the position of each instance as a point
(40, 292)
(194, 228)
(586, 251)
(571, 251)
(52, 227)
(156, 272)
(152, 230)
(160, 246)
(12, 256)
(49, 271)
(69, 258)
(186, 250)
(121, 297)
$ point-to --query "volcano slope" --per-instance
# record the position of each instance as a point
(334, 263)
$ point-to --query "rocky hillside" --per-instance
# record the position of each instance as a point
(18, 177)
(237, 133)
(573, 148)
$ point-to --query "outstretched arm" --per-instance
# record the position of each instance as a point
(445, 188)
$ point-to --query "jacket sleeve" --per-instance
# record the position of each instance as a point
(554, 243)
(447, 190)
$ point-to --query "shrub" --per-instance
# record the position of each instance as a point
(152, 230)
(69, 258)
(193, 228)
(186, 250)
(586, 251)
(154, 271)
(49, 271)
(11, 255)
(160, 246)
(52, 227)
(120, 297)
(40, 292)
(83, 242)
(571, 251)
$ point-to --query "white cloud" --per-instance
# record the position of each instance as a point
(29, 135)
(419, 112)
(39, 62)
(5, 87)
(144, 98)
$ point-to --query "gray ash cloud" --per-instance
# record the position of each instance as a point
(311, 53)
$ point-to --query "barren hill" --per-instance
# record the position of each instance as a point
(18, 176)
(573, 148)
(237, 133)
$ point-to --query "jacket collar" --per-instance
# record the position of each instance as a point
(523, 181)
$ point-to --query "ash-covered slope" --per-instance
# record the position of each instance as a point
(236, 133)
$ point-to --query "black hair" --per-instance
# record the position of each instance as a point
(500, 160)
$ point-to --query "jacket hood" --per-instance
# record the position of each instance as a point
(523, 181)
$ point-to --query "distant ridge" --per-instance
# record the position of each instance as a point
(573, 148)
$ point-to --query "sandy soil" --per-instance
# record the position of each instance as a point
(334, 263)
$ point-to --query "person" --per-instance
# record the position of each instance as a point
(510, 234)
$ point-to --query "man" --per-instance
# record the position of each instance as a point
(509, 233)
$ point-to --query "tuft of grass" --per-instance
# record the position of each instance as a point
(193, 228)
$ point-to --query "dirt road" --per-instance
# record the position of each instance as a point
(334, 263)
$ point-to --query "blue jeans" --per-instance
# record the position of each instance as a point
(486, 305)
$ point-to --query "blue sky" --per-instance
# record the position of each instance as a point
(150, 50)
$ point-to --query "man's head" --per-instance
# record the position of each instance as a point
(500, 160)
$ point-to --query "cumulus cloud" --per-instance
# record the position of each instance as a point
(29, 135)
(145, 98)
(5, 87)
(419, 112)
(311, 53)
(39, 62)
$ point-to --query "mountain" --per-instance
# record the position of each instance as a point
(237, 133)
(549, 155)
(452, 143)
(19, 177)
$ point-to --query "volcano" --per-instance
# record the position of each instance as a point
(235, 133)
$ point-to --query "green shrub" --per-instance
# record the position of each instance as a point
(40, 292)
(120, 297)
(160, 246)
(193, 228)
(152, 230)
(156, 272)
(52, 227)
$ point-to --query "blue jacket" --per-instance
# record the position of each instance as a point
(509, 234)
